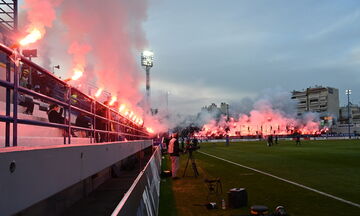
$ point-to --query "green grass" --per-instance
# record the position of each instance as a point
(329, 166)
(167, 204)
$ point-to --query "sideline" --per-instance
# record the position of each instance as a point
(285, 180)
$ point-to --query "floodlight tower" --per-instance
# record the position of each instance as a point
(348, 93)
(147, 60)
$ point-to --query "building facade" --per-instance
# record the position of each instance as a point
(322, 100)
(213, 108)
(354, 114)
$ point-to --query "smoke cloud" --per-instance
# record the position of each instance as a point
(103, 38)
(271, 113)
(79, 51)
(40, 14)
(113, 30)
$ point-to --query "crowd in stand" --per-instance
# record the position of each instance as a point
(49, 86)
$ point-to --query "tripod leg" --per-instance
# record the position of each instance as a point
(193, 163)
(187, 163)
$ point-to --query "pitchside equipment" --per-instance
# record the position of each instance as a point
(193, 164)
(259, 210)
(237, 197)
(214, 188)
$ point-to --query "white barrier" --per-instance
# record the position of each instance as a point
(31, 174)
(143, 196)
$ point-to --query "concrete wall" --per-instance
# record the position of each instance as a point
(44, 171)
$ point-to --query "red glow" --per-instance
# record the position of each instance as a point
(77, 74)
(122, 107)
(32, 37)
(150, 130)
(98, 92)
(113, 100)
(262, 123)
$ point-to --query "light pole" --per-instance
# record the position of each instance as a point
(167, 102)
(348, 93)
(147, 60)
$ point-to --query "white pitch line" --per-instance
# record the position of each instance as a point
(285, 180)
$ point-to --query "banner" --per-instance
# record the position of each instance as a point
(142, 199)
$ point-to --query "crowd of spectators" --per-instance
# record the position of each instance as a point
(51, 87)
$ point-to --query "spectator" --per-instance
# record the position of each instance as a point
(27, 102)
(270, 140)
(54, 115)
(83, 121)
(174, 152)
(297, 139)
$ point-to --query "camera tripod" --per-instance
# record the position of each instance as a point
(193, 164)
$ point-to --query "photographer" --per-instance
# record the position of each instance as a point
(174, 152)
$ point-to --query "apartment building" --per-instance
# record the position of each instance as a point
(323, 100)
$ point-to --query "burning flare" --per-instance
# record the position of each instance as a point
(98, 92)
(261, 123)
(77, 74)
(112, 101)
(122, 107)
(150, 130)
(131, 114)
(33, 36)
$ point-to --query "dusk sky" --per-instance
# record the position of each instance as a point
(214, 51)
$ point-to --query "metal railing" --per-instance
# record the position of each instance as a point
(109, 125)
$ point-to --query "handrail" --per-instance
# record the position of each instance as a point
(129, 130)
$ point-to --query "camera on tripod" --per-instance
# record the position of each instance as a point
(192, 146)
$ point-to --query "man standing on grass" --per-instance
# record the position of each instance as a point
(297, 138)
(174, 151)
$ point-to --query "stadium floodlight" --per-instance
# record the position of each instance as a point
(147, 58)
(348, 93)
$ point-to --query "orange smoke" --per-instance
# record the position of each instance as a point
(40, 16)
(33, 36)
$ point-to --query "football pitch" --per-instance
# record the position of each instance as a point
(316, 178)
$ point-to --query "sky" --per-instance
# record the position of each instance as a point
(212, 51)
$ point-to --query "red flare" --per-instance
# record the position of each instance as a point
(32, 37)
(121, 107)
(98, 92)
(150, 130)
(112, 101)
(77, 74)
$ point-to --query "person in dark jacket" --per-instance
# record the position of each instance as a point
(54, 115)
(174, 152)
